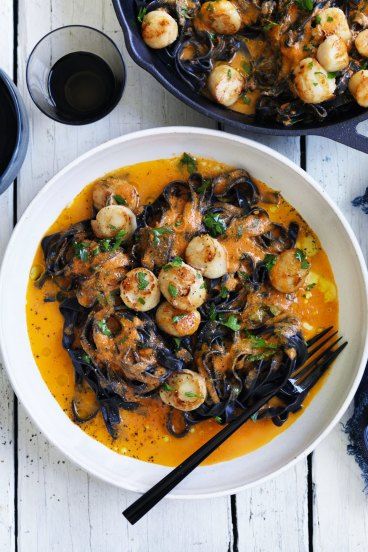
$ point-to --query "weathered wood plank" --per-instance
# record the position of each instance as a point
(70, 510)
(274, 516)
(7, 520)
(340, 506)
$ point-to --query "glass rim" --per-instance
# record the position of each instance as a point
(122, 87)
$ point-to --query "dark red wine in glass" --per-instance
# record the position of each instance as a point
(82, 86)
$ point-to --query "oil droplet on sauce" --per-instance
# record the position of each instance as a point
(143, 433)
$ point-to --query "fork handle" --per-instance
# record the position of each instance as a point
(150, 498)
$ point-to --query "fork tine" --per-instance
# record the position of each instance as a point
(318, 336)
(321, 368)
(313, 362)
(320, 345)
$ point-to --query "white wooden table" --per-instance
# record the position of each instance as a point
(49, 505)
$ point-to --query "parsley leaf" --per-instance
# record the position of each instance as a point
(177, 342)
(176, 262)
(224, 293)
(142, 12)
(214, 224)
(104, 327)
(190, 394)
(118, 240)
(306, 5)
(232, 323)
(172, 290)
(141, 301)
(157, 232)
(167, 387)
(270, 261)
(119, 200)
(302, 258)
(206, 183)
(81, 251)
(177, 318)
(142, 281)
(189, 162)
(212, 313)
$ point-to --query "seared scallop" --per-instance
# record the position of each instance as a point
(185, 390)
(115, 191)
(358, 86)
(208, 255)
(225, 84)
(289, 271)
(113, 219)
(361, 43)
(182, 286)
(312, 83)
(159, 29)
(332, 54)
(140, 290)
(177, 322)
(222, 16)
(333, 21)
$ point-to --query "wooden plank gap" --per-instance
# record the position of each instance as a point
(234, 524)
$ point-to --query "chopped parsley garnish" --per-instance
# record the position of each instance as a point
(157, 232)
(172, 290)
(167, 387)
(310, 64)
(218, 419)
(177, 318)
(232, 323)
(224, 293)
(177, 342)
(246, 100)
(104, 328)
(331, 74)
(214, 224)
(239, 232)
(212, 313)
(269, 25)
(259, 342)
(119, 200)
(118, 240)
(269, 261)
(306, 5)
(247, 67)
(210, 7)
(142, 281)
(178, 222)
(176, 262)
(310, 286)
(318, 19)
(81, 251)
(142, 12)
(189, 162)
(206, 183)
(141, 301)
(192, 395)
(301, 256)
(228, 74)
(86, 358)
(329, 19)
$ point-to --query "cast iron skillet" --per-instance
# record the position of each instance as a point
(341, 127)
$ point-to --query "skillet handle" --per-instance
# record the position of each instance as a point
(345, 133)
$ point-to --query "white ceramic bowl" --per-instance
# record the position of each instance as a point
(317, 209)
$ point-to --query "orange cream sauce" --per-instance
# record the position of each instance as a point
(143, 434)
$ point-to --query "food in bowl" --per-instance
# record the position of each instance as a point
(162, 293)
(290, 62)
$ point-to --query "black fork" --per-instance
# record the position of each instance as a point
(321, 353)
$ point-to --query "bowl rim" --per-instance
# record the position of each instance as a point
(269, 152)
(22, 132)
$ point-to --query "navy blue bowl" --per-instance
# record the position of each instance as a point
(342, 128)
(14, 131)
